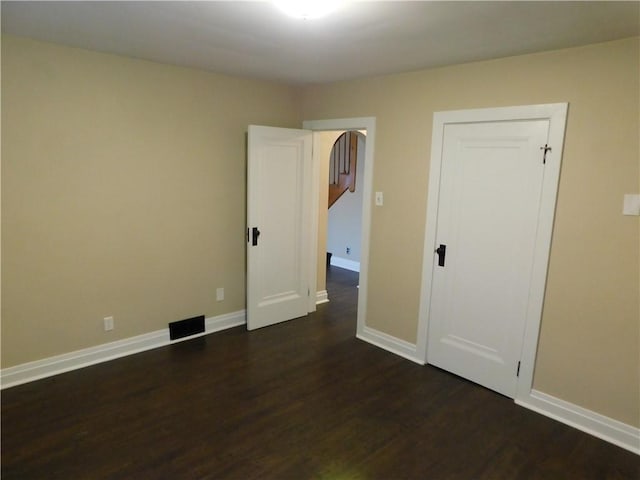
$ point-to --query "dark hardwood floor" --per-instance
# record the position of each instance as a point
(302, 400)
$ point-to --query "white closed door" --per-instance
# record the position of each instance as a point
(278, 224)
(488, 208)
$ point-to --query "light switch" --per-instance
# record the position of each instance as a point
(631, 204)
(379, 199)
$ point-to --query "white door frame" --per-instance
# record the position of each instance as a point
(556, 113)
(359, 123)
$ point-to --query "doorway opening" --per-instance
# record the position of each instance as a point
(346, 162)
(320, 210)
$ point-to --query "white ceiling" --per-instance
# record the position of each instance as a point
(363, 38)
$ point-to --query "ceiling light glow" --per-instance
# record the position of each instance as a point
(308, 9)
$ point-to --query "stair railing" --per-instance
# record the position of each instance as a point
(342, 166)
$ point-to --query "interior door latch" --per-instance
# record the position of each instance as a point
(255, 233)
(442, 252)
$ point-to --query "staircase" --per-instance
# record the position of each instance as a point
(342, 166)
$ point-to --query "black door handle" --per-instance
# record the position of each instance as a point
(255, 233)
(442, 252)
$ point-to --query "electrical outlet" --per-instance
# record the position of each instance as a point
(108, 323)
(348, 250)
(219, 294)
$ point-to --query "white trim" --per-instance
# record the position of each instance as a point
(322, 297)
(605, 428)
(556, 113)
(313, 223)
(345, 263)
(360, 123)
(224, 322)
(47, 367)
(390, 343)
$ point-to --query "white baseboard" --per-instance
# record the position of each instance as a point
(28, 372)
(588, 421)
(322, 297)
(345, 263)
(390, 343)
(605, 428)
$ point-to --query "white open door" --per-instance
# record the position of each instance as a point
(279, 189)
(496, 185)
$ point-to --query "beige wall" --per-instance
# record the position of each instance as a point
(589, 345)
(123, 193)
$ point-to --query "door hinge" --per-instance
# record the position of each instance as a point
(546, 149)
(518, 370)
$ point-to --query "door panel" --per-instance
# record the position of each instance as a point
(490, 188)
(278, 203)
